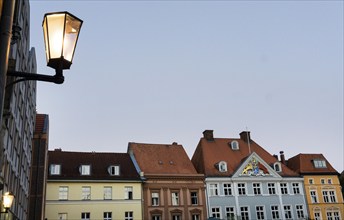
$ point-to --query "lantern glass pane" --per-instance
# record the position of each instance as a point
(55, 34)
(71, 36)
(7, 200)
(45, 32)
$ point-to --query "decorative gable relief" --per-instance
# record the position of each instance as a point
(253, 168)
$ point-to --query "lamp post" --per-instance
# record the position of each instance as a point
(61, 33)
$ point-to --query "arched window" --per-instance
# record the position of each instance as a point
(235, 145)
(222, 166)
(277, 167)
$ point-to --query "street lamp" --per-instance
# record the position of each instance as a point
(7, 199)
(61, 33)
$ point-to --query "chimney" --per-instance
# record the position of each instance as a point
(275, 156)
(282, 157)
(245, 136)
(208, 135)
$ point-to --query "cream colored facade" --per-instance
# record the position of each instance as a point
(97, 205)
(324, 197)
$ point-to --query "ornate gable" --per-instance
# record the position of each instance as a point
(255, 166)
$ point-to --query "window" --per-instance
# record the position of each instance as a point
(114, 170)
(213, 189)
(284, 188)
(296, 189)
(63, 193)
(85, 216)
(107, 192)
(215, 212)
(332, 214)
(310, 181)
(271, 188)
(244, 213)
(176, 217)
(55, 169)
(194, 198)
(155, 199)
(86, 193)
(277, 167)
(275, 212)
(222, 166)
(319, 163)
(107, 215)
(317, 215)
(322, 181)
(227, 189)
(230, 214)
(287, 212)
(195, 217)
(175, 198)
(156, 217)
(85, 170)
(256, 189)
(241, 189)
(329, 181)
(62, 216)
(299, 211)
(235, 145)
(128, 216)
(128, 192)
(260, 212)
(314, 198)
(329, 196)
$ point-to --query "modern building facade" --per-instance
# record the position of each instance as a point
(172, 188)
(39, 169)
(18, 119)
(323, 190)
(245, 182)
(92, 185)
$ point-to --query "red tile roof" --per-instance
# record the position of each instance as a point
(162, 159)
(303, 164)
(42, 122)
(210, 152)
(99, 162)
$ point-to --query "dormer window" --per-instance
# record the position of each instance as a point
(222, 166)
(55, 169)
(319, 163)
(235, 145)
(85, 170)
(277, 167)
(114, 170)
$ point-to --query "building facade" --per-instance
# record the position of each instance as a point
(323, 190)
(18, 119)
(39, 169)
(244, 181)
(92, 185)
(172, 188)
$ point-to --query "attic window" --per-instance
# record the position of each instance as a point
(114, 170)
(55, 169)
(235, 145)
(222, 166)
(85, 170)
(319, 163)
(277, 167)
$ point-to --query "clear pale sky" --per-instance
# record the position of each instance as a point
(165, 71)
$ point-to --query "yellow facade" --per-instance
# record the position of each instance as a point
(59, 206)
(324, 197)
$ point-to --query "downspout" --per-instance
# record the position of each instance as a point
(6, 23)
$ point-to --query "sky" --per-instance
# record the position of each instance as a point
(165, 71)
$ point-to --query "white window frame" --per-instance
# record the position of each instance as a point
(222, 166)
(300, 212)
(62, 216)
(213, 189)
(86, 193)
(272, 188)
(85, 170)
(85, 216)
(128, 192)
(288, 212)
(194, 197)
(230, 212)
(107, 215)
(284, 188)
(227, 189)
(155, 198)
(235, 145)
(114, 170)
(63, 192)
(107, 192)
(275, 213)
(260, 213)
(55, 169)
(175, 198)
(216, 210)
(247, 211)
(242, 189)
(314, 196)
(319, 163)
(129, 215)
(257, 188)
(296, 188)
